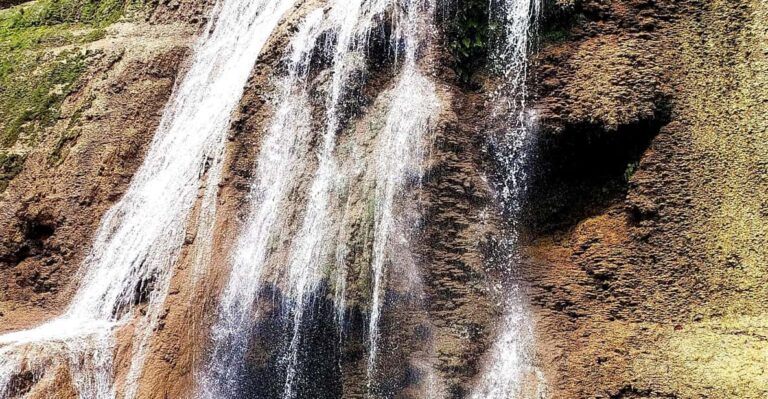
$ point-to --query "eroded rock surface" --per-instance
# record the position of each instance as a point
(653, 290)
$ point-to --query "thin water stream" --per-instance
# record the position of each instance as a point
(400, 158)
(510, 368)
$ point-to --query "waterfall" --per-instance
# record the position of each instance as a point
(346, 27)
(510, 365)
(313, 243)
(277, 166)
(414, 102)
(291, 240)
(140, 237)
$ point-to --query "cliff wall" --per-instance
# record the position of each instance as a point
(645, 241)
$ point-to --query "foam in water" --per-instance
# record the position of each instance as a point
(510, 367)
(140, 237)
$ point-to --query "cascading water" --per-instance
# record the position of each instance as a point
(277, 166)
(510, 370)
(351, 20)
(140, 237)
(414, 102)
(346, 27)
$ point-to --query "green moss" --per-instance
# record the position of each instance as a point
(61, 148)
(59, 151)
(41, 62)
(33, 93)
(10, 166)
(57, 12)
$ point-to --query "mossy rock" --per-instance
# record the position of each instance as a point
(42, 61)
(10, 166)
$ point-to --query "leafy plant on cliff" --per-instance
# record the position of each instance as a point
(468, 31)
(559, 19)
(630, 171)
(471, 30)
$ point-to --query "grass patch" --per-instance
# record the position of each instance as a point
(41, 63)
(57, 12)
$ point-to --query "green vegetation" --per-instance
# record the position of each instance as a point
(41, 63)
(96, 13)
(60, 148)
(10, 166)
(468, 31)
(32, 90)
(558, 21)
(72, 132)
(555, 34)
(471, 32)
(630, 170)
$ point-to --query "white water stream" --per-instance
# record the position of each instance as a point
(510, 371)
(277, 167)
(140, 237)
(400, 157)
(314, 244)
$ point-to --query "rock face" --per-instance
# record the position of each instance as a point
(645, 241)
(652, 288)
